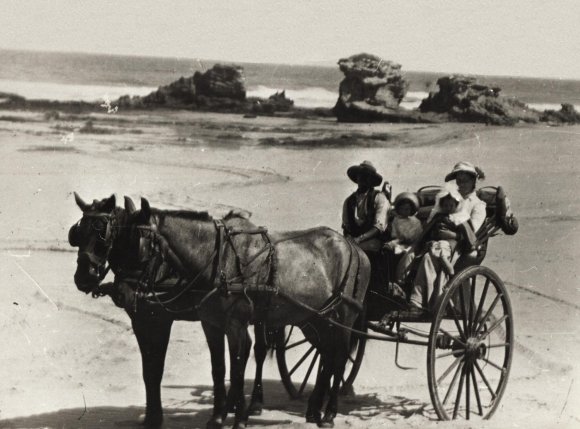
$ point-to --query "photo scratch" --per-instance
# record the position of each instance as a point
(36, 284)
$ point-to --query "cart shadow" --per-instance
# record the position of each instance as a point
(363, 406)
(196, 409)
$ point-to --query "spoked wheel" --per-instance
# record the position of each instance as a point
(470, 346)
(297, 359)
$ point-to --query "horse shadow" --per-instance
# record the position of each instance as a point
(196, 410)
(106, 417)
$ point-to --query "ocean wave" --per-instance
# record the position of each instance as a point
(66, 92)
(313, 97)
(310, 97)
(550, 106)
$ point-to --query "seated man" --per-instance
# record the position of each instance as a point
(364, 216)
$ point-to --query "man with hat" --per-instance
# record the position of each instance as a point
(364, 214)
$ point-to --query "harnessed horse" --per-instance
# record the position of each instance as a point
(315, 279)
(107, 239)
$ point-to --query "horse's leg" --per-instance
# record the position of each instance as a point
(320, 388)
(153, 336)
(260, 351)
(239, 343)
(339, 355)
(215, 341)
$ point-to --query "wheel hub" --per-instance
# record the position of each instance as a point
(475, 349)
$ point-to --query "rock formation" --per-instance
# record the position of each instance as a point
(221, 81)
(566, 115)
(464, 99)
(371, 86)
(219, 86)
(219, 89)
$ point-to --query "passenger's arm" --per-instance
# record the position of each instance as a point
(478, 215)
(381, 212)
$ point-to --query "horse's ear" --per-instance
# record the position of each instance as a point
(130, 205)
(145, 213)
(110, 203)
(82, 205)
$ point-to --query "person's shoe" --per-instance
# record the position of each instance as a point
(414, 310)
(388, 320)
(396, 291)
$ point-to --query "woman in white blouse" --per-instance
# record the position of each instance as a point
(430, 277)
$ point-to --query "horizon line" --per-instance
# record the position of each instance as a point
(318, 63)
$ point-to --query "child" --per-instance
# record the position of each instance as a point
(443, 227)
(406, 227)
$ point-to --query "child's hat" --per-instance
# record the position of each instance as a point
(409, 197)
(453, 193)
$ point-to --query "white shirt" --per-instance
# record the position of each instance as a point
(472, 205)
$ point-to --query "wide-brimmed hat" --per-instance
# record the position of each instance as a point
(366, 168)
(462, 167)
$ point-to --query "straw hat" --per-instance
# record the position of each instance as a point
(365, 168)
(462, 167)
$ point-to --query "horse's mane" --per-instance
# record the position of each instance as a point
(203, 215)
(238, 213)
(184, 214)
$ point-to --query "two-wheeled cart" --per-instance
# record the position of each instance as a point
(470, 335)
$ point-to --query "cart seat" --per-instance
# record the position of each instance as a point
(498, 217)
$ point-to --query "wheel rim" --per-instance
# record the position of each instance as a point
(470, 347)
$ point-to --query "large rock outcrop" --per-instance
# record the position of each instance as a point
(221, 81)
(220, 87)
(464, 99)
(371, 86)
(566, 115)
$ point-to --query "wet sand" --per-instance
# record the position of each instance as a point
(72, 361)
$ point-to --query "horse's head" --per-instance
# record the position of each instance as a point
(95, 234)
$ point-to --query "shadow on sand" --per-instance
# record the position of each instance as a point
(196, 410)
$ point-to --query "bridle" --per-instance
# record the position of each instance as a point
(105, 235)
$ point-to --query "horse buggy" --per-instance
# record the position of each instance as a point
(469, 336)
(309, 297)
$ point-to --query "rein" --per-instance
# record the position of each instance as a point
(223, 285)
(147, 283)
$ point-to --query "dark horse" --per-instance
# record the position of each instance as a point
(105, 234)
(315, 279)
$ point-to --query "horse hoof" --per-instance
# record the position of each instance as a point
(152, 420)
(347, 390)
(313, 418)
(327, 421)
(215, 423)
(239, 425)
(255, 409)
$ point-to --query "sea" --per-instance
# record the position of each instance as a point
(98, 78)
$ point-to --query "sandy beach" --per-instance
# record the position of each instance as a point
(70, 361)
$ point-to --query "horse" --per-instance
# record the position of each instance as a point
(316, 279)
(104, 235)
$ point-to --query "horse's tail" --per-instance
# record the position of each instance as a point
(357, 264)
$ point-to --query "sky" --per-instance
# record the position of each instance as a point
(514, 37)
